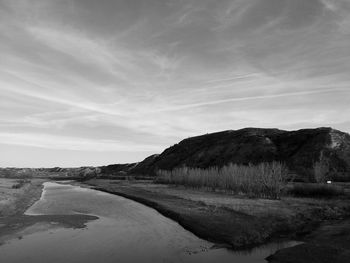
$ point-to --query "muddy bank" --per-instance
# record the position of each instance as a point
(9, 226)
(330, 243)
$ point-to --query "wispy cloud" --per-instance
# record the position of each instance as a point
(92, 51)
(30, 92)
(272, 96)
(72, 143)
(125, 76)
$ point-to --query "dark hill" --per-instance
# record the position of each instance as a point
(117, 169)
(299, 150)
(146, 167)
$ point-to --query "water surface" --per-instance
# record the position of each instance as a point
(125, 231)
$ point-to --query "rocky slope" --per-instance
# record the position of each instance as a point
(299, 150)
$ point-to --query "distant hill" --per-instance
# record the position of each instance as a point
(117, 169)
(299, 150)
(53, 173)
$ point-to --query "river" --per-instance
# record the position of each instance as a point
(125, 231)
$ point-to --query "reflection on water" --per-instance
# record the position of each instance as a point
(126, 231)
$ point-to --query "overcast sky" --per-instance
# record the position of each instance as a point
(87, 82)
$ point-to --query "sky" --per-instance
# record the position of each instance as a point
(86, 82)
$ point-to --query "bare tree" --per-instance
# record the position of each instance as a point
(265, 180)
(321, 169)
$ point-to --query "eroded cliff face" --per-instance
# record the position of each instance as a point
(299, 150)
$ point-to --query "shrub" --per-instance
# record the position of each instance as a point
(316, 190)
(321, 170)
(265, 180)
(20, 183)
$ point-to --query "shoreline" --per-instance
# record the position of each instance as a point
(220, 239)
(329, 243)
(237, 231)
(19, 200)
(176, 217)
(222, 226)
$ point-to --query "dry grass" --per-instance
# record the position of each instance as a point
(266, 180)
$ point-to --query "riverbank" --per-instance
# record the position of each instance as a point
(329, 243)
(233, 221)
(14, 201)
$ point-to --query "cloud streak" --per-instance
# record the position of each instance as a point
(273, 96)
(128, 76)
(72, 143)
